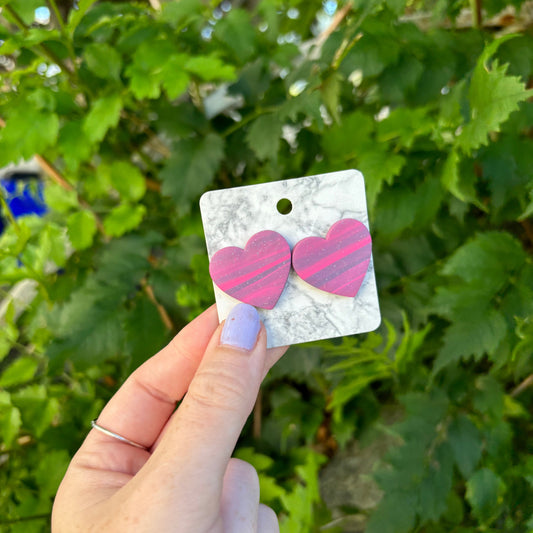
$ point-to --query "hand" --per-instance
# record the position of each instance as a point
(186, 481)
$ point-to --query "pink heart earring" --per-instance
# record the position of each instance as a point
(257, 274)
(338, 263)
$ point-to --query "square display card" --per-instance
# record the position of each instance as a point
(306, 310)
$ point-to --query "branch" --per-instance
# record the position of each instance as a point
(165, 318)
(152, 185)
(528, 228)
(337, 19)
(53, 173)
(522, 386)
(56, 177)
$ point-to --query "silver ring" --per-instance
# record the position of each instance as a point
(117, 436)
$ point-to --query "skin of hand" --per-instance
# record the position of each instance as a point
(186, 482)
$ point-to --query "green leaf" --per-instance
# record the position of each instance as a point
(126, 178)
(210, 68)
(270, 490)
(8, 332)
(52, 243)
(466, 443)
(10, 420)
(75, 15)
(399, 208)
(473, 336)
(142, 84)
(352, 136)
(528, 211)
(404, 125)
(74, 144)
(259, 461)
(104, 114)
(51, 470)
(409, 345)
(146, 70)
(28, 39)
(25, 9)
(484, 491)
(92, 333)
(20, 371)
(142, 342)
(491, 256)
(436, 484)
(81, 228)
(182, 12)
(396, 513)
(89, 328)
(493, 97)
(462, 187)
(489, 397)
(37, 410)
(376, 50)
(123, 218)
(302, 497)
(174, 79)
(264, 136)
(237, 32)
(379, 167)
(103, 60)
(330, 90)
(191, 169)
(28, 132)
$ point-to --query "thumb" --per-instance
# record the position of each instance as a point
(203, 432)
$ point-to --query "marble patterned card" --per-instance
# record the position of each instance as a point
(303, 312)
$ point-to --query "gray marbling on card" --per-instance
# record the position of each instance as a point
(303, 313)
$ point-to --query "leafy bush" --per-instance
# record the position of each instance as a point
(134, 111)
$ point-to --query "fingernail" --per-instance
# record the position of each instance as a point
(241, 327)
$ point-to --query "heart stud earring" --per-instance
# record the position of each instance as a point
(338, 263)
(257, 274)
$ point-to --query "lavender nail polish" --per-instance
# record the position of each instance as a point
(241, 327)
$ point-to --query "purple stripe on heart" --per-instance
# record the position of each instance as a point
(338, 263)
(257, 274)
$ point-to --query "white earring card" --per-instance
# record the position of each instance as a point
(306, 310)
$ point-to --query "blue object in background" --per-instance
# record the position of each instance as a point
(24, 195)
